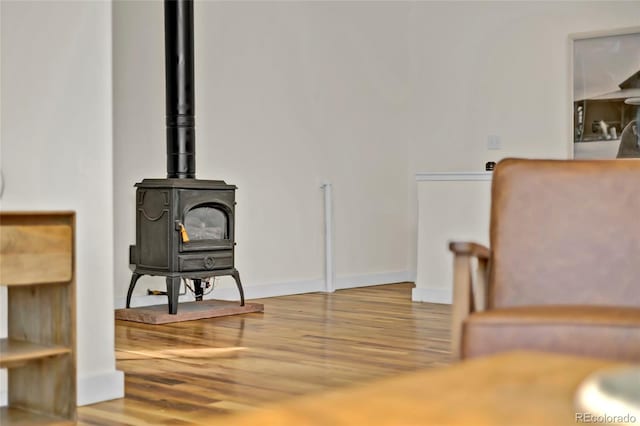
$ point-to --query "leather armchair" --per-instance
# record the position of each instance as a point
(563, 271)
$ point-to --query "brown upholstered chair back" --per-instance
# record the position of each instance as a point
(565, 232)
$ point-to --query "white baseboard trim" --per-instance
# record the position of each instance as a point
(273, 290)
(230, 292)
(367, 280)
(100, 387)
(432, 295)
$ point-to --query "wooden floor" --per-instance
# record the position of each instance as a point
(181, 373)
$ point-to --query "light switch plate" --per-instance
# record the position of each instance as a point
(494, 142)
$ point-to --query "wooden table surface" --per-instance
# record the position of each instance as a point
(517, 388)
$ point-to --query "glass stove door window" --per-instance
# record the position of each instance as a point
(206, 223)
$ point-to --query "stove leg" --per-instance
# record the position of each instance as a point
(236, 276)
(173, 289)
(132, 285)
(197, 289)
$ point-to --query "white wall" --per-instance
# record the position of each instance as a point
(287, 94)
(480, 69)
(364, 94)
(56, 154)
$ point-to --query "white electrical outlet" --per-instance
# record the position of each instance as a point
(494, 142)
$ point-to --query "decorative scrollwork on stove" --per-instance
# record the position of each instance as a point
(154, 204)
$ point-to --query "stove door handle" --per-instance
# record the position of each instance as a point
(183, 232)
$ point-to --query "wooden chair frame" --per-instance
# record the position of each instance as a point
(470, 288)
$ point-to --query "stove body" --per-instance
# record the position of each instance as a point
(184, 229)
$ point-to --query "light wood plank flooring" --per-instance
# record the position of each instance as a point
(182, 373)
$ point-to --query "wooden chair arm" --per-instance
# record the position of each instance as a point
(469, 289)
(469, 248)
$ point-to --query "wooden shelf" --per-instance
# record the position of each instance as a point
(17, 352)
(37, 255)
(11, 416)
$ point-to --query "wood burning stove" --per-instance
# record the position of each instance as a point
(184, 226)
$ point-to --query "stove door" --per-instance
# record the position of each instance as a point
(207, 228)
(206, 223)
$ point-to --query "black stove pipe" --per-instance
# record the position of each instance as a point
(180, 99)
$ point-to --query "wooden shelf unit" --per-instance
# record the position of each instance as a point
(37, 258)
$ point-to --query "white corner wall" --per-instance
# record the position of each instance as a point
(56, 154)
(288, 94)
(494, 68)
